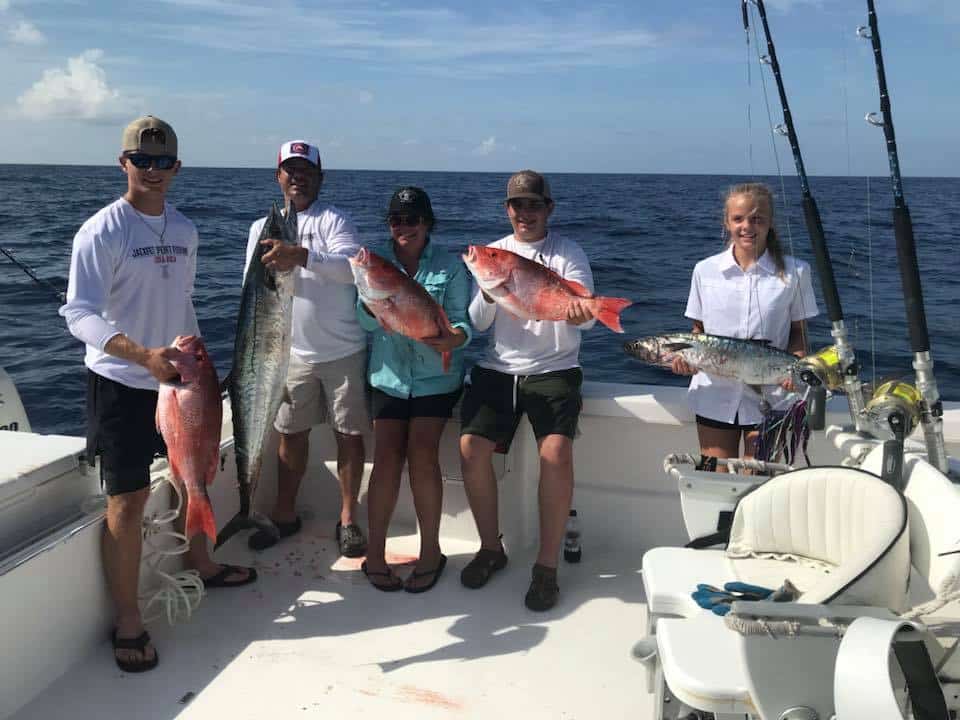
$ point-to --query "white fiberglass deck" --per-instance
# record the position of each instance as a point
(312, 638)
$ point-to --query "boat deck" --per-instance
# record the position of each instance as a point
(312, 637)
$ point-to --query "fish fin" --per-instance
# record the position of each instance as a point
(577, 289)
(608, 311)
(241, 521)
(200, 518)
(676, 346)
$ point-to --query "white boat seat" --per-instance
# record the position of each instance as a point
(838, 534)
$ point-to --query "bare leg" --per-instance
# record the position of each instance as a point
(476, 465)
(350, 458)
(291, 466)
(388, 458)
(719, 442)
(426, 483)
(750, 442)
(556, 494)
(121, 549)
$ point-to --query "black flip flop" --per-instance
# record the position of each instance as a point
(139, 644)
(392, 587)
(436, 572)
(220, 579)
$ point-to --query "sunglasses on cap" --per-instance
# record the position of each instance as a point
(395, 219)
(526, 204)
(160, 162)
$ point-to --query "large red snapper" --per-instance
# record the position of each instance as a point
(531, 291)
(189, 416)
(399, 302)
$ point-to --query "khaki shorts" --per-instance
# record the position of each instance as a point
(331, 392)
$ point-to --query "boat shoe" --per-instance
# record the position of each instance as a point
(544, 591)
(484, 564)
(350, 540)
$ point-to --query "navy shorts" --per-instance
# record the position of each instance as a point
(388, 407)
(494, 402)
(122, 430)
(720, 425)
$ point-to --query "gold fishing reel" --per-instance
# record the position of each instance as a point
(824, 366)
(893, 403)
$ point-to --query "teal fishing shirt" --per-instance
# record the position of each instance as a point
(402, 367)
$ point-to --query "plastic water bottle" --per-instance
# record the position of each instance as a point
(571, 540)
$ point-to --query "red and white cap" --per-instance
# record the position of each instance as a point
(299, 148)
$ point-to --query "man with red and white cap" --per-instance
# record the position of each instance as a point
(326, 379)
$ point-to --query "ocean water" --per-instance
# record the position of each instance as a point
(642, 233)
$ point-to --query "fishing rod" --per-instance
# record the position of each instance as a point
(930, 404)
(60, 294)
(838, 364)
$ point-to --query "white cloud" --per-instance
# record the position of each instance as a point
(78, 91)
(486, 147)
(26, 33)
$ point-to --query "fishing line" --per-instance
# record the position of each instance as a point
(746, 33)
(60, 294)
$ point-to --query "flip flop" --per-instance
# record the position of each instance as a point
(139, 644)
(220, 579)
(397, 583)
(436, 572)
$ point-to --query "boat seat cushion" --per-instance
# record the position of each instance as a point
(838, 534)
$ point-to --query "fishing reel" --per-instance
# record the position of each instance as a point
(894, 410)
(822, 372)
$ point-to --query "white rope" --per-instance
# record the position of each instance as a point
(180, 593)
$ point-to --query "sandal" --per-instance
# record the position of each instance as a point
(544, 591)
(393, 586)
(139, 644)
(220, 579)
(436, 572)
(484, 564)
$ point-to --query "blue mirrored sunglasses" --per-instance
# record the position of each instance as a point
(160, 162)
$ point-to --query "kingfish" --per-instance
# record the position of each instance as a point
(531, 291)
(189, 415)
(398, 302)
(261, 355)
(750, 361)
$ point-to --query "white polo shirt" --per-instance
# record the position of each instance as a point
(748, 304)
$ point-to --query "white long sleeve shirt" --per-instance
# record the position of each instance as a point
(325, 324)
(132, 274)
(532, 347)
(747, 304)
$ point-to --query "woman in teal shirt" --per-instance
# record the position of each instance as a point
(412, 395)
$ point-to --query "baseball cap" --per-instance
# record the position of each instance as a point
(529, 184)
(149, 135)
(411, 200)
(299, 148)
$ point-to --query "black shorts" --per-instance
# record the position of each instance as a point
(494, 402)
(388, 407)
(720, 425)
(122, 430)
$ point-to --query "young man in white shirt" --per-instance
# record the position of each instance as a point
(532, 367)
(131, 279)
(326, 380)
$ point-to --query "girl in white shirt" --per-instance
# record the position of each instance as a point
(751, 290)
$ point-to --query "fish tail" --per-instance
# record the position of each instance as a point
(445, 359)
(200, 519)
(608, 311)
(240, 521)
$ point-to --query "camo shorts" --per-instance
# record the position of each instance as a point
(330, 392)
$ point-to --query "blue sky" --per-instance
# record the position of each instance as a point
(638, 86)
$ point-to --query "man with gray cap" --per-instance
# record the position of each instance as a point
(131, 279)
(326, 380)
(532, 367)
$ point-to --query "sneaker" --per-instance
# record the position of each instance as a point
(261, 540)
(484, 564)
(543, 592)
(350, 540)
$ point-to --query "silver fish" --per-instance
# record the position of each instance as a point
(261, 355)
(749, 361)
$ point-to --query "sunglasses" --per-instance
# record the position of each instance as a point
(395, 219)
(160, 162)
(526, 204)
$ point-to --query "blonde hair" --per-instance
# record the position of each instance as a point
(758, 191)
